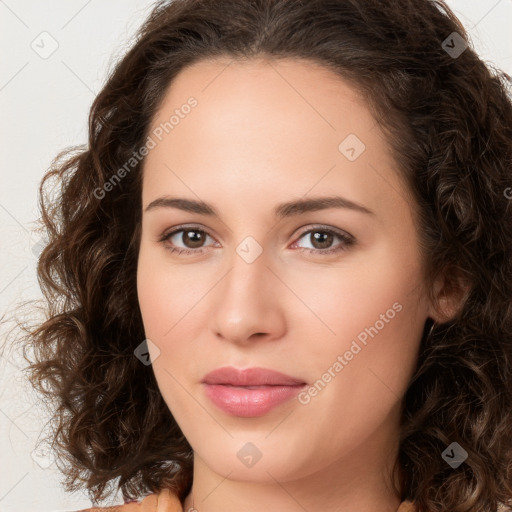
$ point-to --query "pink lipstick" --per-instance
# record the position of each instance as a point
(250, 392)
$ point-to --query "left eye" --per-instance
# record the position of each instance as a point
(194, 238)
(324, 237)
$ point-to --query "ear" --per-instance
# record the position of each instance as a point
(451, 291)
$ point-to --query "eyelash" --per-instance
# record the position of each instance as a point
(347, 240)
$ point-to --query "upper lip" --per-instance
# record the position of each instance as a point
(249, 377)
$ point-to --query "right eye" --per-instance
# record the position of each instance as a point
(189, 235)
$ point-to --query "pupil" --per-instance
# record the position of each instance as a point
(197, 237)
(318, 236)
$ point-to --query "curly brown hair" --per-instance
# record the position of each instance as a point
(447, 116)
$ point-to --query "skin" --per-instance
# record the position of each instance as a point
(264, 133)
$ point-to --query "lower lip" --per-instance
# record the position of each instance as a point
(250, 401)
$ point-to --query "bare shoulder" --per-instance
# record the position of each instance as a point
(164, 501)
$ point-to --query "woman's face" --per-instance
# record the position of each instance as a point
(277, 278)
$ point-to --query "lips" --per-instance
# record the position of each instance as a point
(250, 392)
(249, 377)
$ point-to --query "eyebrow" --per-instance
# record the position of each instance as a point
(281, 211)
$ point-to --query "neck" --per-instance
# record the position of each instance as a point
(358, 482)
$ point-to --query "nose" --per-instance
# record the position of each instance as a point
(248, 303)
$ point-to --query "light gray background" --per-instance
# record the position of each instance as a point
(44, 106)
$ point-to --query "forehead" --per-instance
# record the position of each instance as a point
(281, 89)
(279, 127)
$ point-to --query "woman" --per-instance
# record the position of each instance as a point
(205, 356)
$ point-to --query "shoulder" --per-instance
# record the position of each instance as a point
(165, 501)
(168, 502)
(406, 506)
(127, 507)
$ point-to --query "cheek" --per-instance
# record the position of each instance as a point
(163, 307)
(372, 315)
(165, 293)
(150, 292)
(171, 299)
(348, 300)
(376, 322)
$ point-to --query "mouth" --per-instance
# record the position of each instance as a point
(250, 392)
